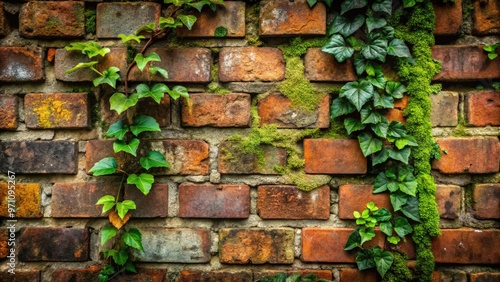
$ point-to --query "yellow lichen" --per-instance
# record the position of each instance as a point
(52, 112)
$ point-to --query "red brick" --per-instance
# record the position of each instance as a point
(215, 276)
(334, 156)
(320, 274)
(53, 244)
(228, 110)
(51, 157)
(251, 64)
(155, 204)
(214, 201)
(231, 16)
(115, 18)
(487, 201)
(455, 68)
(448, 18)
(21, 64)
(483, 108)
(79, 199)
(486, 17)
(444, 110)
(233, 161)
(485, 277)
(353, 274)
(447, 276)
(90, 273)
(256, 246)
(31, 275)
(395, 114)
(144, 275)
(355, 197)
(449, 201)
(278, 109)
(58, 110)
(327, 245)
(468, 155)
(467, 246)
(282, 17)
(320, 66)
(52, 19)
(288, 202)
(27, 199)
(8, 112)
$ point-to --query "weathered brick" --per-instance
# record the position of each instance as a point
(468, 155)
(53, 244)
(27, 199)
(144, 275)
(485, 277)
(8, 112)
(288, 202)
(233, 161)
(483, 108)
(215, 276)
(231, 16)
(395, 114)
(448, 18)
(282, 17)
(180, 245)
(155, 204)
(354, 198)
(3, 21)
(467, 246)
(487, 201)
(115, 18)
(256, 246)
(278, 109)
(251, 64)
(334, 156)
(327, 245)
(31, 275)
(229, 110)
(52, 19)
(50, 156)
(90, 273)
(353, 274)
(320, 274)
(448, 276)
(214, 201)
(21, 64)
(455, 68)
(79, 199)
(444, 110)
(486, 17)
(449, 201)
(320, 66)
(4, 239)
(58, 110)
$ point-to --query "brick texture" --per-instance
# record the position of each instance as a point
(215, 276)
(483, 108)
(444, 110)
(487, 201)
(52, 19)
(79, 199)
(283, 18)
(468, 155)
(334, 156)
(445, 276)
(449, 200)
(321, 274)
(229, 110)
(4, 239)
(448, 18)
(155, 204)
(287, 202)
(232, 161)
(256, 246)
(27, 199)
(486, 17)
(214, 201)
(354, 198)
(21, 64)
(8, 112)
(320, 66)
(485, 277)
(353, 274)
(3, 21)
(31, 275)
(90, 273)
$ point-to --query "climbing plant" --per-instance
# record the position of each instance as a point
(128, 130)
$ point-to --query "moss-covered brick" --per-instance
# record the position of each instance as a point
(19, 64)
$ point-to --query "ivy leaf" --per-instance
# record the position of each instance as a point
(130, 267)
(311, 3)
(338, 48)
(122, 208)
(366, 234)
(402, 227)
(127, 38)
(376, 50)
(400, 155)
(364, 260)
(373, 23)
(199, 5)
(168, 23)
(369, 144)
(393, 240)
(346, 27)
(81, 66)
(383, 262)
(383, 215)
(380, 157)
(409, 185)
(407, 140)
(178, 91)
(90, 48)
(142, 61)
(107, 201)
(109, 76)
(386, 228)
(380, 184)
(378, 80)
(187, 20)
(384, 6)
(133, 238)
(154, 159)
(220, 31)
(410, 209)
(383, 102)
(119, 258)
(398, 48)
(117, 130)
(340, 107)
(130, 148)
(157, 92)
(409, 3)
(120, 103)
(358, 93)
(353, 240)
(398, 200)
(105, 166)
(396, 129)
(369, 116)
(144, 123)
(328, 3)
(146, 28)
(154, 70)
(395, 89)
(107, 233)
(348, 5)
(352, 125)
(144, 182)
(380, 129)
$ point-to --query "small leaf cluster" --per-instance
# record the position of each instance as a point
(491, 50)
(283, 277)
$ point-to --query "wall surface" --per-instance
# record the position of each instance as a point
(217, 215)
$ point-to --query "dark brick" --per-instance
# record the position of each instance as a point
(53, 244)
(50, 156)
(449, 201)
(79, 199)
(144, 275)
(444, 110)
(487, 201)
(3, 21)
(448, 18)
(288, 202)
(449, 276)
(90, 273)
(215, 276)
(485, 277)
(282, 17)
(353, 274)
(31, 275)
(320, 66)
(355, 197)
(486, 17)
(229, 110)
(28, 199)
(8, 112)
(155, 204)
(19, 64)
(115, 18)
(214, 201)
(256, 246)
(483, 108)
(334, 156)
(320, 274)
(52, 19)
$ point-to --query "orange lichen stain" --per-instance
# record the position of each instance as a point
(27, 200)
(78, 253)
(52, 112)
(4, 251)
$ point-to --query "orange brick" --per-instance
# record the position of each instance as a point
(27, 199)
(485, 277)
(79, 199)
(446, 276)
(448, 18)
(483, 108)
(487, 201)
(8, 112)
(486, 17)
(21, 64)
(353, 274)
(334, 156)
(320, 66)
(355, 197)
(449, 201)
(219, 276)
(4, 239)
(90, 273)
(395, 115)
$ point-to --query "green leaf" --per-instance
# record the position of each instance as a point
(168, 23)
(154, 70)
(380, 157)
(328, 3)
(380, 184)
(358, 93)
(398, 200)
(402, 155)
(187, 20)
(409, 3)
(120, 103)
(376, 50)
(127, 38)
(386, 228)
(402, 227)
(133, 239)
(369, 116)
(396, 129)
(398, 48)
(491, 48)
(410, 209)
(383, 262)
(360, 63)
(345, 26)
(353, 240)
(122, 208)
(156, 93)
(143, 182)
(369, 144)
(356, 214)
(373, 23)
(311, 3)
(175, 2)
(90, 48)
(105, 166)
(142, 61)
(393, 240)
(131, 147)
(395, 89)
(178, 91)
(144, 123)
(340, 107)
(338, 48)
(154, 159)
(378, 80)
(130, 267)
(364, 260)
(407, 140)
(121, 257)
(81, 66)
(380, 129)
(384, 6)
(107, 201)
(352, 125)
(199, 5)
(108, 233)
(383, 215)
(348, 5)
(117, 130)
(146, 28)
(220, 31)
(109, 76)
(366, 234)
(492, 56)
(383, 102)
(409, 186)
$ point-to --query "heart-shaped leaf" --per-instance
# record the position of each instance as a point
(348, 5)
(154, 70)
(133, 238)
(345, 26)
(402, 227)
(353, 240)
(352, 125)
(398, 48)
(340, 107)
(383, 262)
(142, 61)
(144, 123)
(410, 209)
(384, 6)
(376, 50)
(143, 182)
(358, 93)
(157, 92)
(122, 208)
(131, 147)
(187, 20)
(109, 76)
(154, 159)
(120, 103)
(107, 233)
(373, 23)
(369, 144)
(338, 48)
(107, 201)
(117, 130)
(105, 166)
(178, 91)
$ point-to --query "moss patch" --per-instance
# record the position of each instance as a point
(90, 21)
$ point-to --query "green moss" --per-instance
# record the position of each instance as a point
(399, 270)
(131, 52)
(459, 131)
(467, 8)
(53, 22)
(90, 26)
(298, 47)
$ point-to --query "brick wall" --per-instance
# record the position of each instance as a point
(207, 218)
